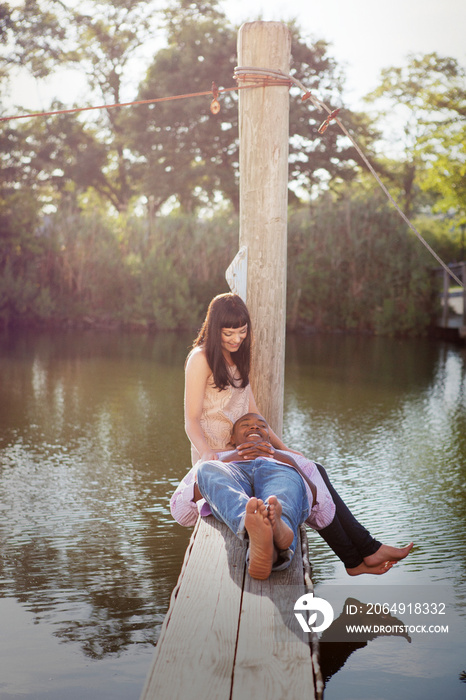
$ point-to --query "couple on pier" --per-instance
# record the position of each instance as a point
(244, 474)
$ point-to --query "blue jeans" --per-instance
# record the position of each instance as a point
(228, 486)
(350, 541)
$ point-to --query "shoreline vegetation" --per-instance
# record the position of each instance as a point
(352, 267)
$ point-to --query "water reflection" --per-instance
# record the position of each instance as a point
(92, 445)
(90, 453)
(81, 534)
(337, 644)
(391, 429)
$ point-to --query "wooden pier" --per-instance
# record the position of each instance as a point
(225, 635)
(452, 323)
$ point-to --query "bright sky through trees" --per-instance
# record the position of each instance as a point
(365, 37)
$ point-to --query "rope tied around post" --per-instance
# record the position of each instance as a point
(260, 77)
(266, 76)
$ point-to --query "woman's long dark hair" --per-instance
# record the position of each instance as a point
(226, 311)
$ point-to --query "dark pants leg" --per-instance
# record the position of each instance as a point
(350, 541)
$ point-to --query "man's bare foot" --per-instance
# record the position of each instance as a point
(378, 569)
(261, 548)
(282, 533)
(387, 553)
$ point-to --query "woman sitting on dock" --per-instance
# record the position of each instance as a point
(218, 392)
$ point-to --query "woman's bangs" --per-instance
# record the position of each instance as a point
(235, 318)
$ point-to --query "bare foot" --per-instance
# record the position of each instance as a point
(387, 553)
(377, 569)
(282, 533)
(261, 548)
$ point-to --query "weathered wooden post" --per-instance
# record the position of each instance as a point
(264, 133)
(463, 320)
(446, 296)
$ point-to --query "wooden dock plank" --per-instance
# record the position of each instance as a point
(225, 635)
(270, 656)
(195, 653)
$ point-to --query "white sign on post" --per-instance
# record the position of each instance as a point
(237, 273)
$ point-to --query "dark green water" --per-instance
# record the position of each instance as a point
(92, 444)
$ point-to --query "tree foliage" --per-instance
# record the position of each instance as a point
(351, 266)
(88, 268)
(185, 150)
(431, 91)
(99, 39)
(178, 148)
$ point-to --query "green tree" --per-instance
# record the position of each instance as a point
(186, 151)
(328, 158)
(429, 97)
(53, 157)
(100, 39)
(174, 149)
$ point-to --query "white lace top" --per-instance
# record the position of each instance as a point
(220, 411)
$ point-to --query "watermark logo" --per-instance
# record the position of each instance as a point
(307, 603)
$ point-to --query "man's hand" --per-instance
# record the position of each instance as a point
(252, 450)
